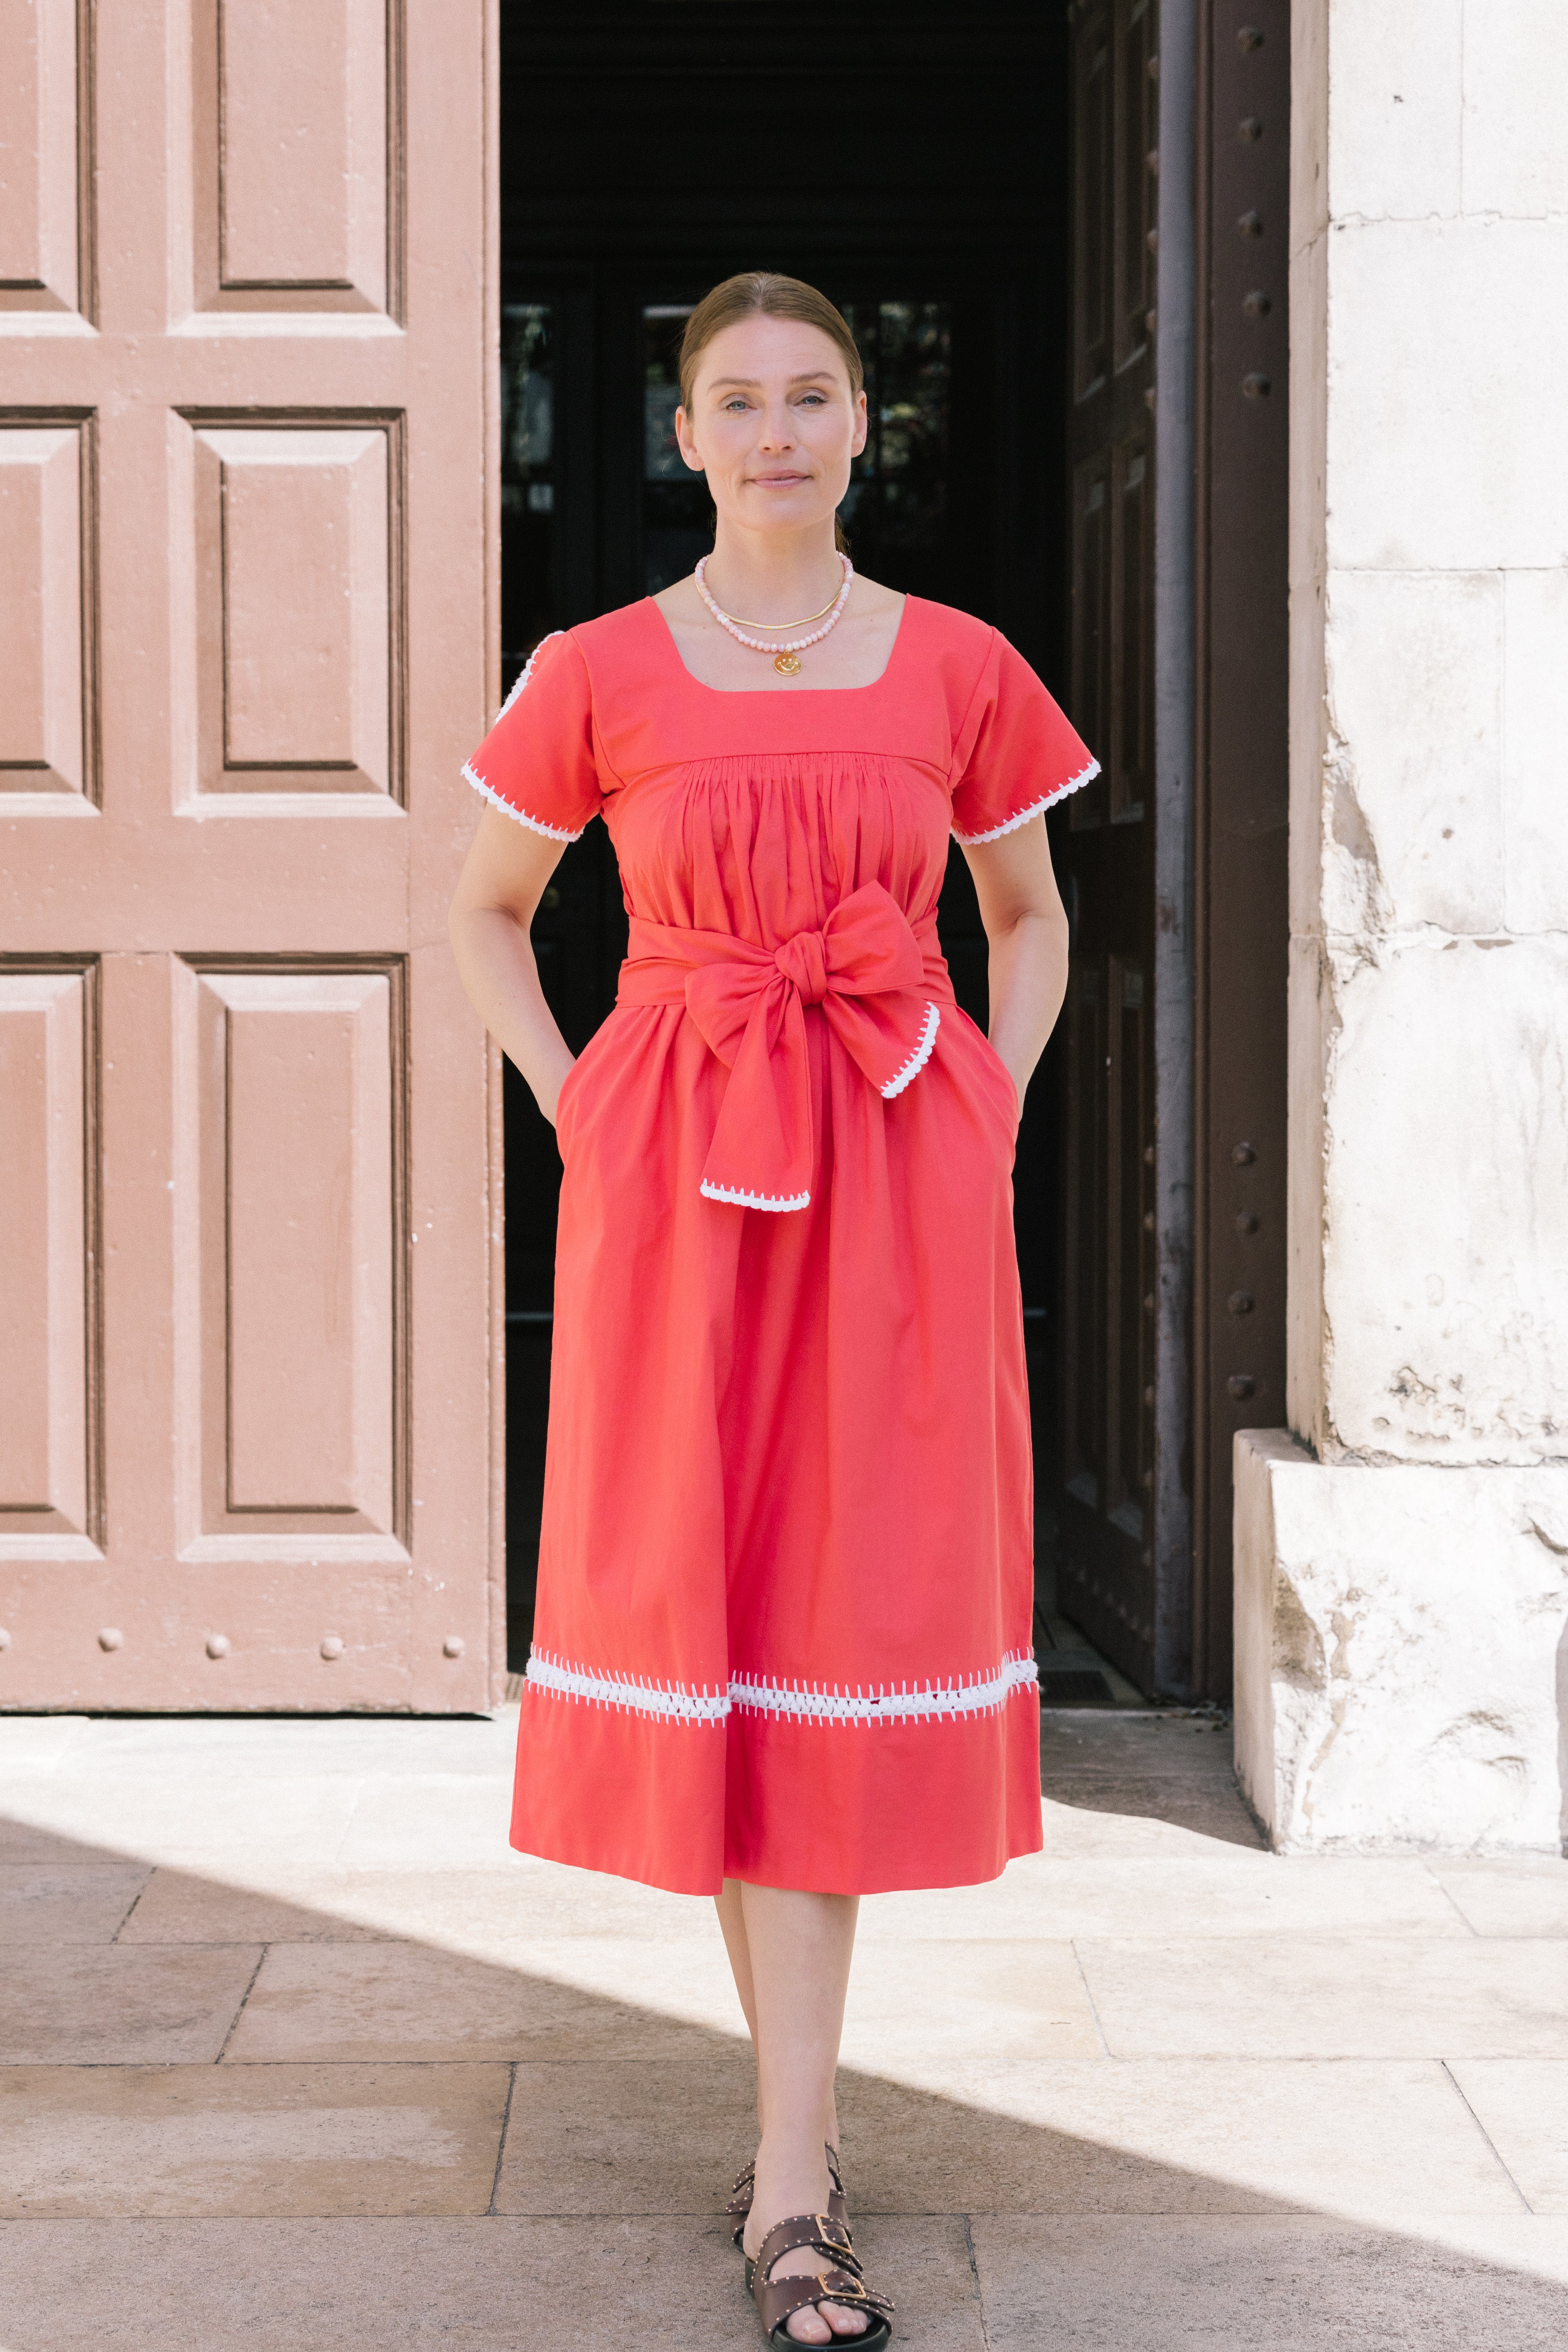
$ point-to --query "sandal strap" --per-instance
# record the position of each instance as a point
(842, 2282)
(819, 2230)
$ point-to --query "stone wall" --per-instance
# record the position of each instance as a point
(1402, 1570)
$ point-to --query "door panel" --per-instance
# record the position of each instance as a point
(296, 152)
(46, 1295)
(251, 1321)
(1105, 1568)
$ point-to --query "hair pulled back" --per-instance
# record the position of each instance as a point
(765, 294)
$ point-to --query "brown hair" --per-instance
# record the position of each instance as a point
(763, 294)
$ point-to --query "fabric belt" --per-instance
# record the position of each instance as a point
(879, 983)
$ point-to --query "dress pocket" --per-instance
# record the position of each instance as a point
(1006, 1085)
(568, 1102)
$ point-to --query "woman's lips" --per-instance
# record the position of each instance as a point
(779, 482)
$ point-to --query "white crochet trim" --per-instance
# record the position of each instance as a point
(753, 1200)
(534, 824)
(918, 1059)
(1057, 792)
(981, 1694)
(763, 1694)
(673, 1701)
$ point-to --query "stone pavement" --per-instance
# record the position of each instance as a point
(295, 2056)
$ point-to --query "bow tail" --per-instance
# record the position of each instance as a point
(889, 1035)
(761, 1155)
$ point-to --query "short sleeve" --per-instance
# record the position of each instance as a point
(537, 762)
(1016, 752)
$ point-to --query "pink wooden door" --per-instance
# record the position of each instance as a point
(249, 1312)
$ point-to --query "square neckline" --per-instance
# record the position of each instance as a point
(729, 692)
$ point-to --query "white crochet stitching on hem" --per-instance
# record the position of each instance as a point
(763, 1694)
(1058, 792)
(775, 1201)
(534, 824)
(918, 1059)
(671, 1700)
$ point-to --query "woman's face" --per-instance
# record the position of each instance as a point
(773, 423)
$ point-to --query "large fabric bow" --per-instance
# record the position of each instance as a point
(865, 970)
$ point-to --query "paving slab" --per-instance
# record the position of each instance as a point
(54, 1902)
(36, 1743)
(1289, 2284)
(76, 2004)
(1129, 1821)
(1521, 2104)
(1507, 1894)
(23, 1842)
(216, 2140)
(278, 1747)
(399, 1821)
(1371, 2141)
(657, 2135)
(324, 2002)
(486, 1914)
(193, 1817)
(1303, 1997)
(920, 2004)
(493, 2285)
(1224, 1890)
(176, 1906)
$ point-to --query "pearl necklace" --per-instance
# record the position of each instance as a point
(785, 657)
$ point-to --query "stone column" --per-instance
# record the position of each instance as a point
(1402, 1552)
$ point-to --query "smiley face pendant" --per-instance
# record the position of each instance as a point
(787, 664)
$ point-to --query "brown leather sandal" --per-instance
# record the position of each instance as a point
(746, 2183)
(778, 2299)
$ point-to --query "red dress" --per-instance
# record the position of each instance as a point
(785, 1585)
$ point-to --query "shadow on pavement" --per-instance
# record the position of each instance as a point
(235, 2120)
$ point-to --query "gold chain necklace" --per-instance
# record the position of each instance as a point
(787, 659)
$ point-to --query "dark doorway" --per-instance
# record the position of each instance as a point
(917, 169)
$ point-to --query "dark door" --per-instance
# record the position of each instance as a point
(1104, 846)
(646, 154)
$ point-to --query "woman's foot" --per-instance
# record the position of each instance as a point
(784, 2187)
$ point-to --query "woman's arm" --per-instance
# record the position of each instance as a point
(497, 893)
(1026, 926)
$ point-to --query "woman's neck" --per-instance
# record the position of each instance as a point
(774, 575)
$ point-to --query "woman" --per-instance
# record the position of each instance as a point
(783, 1641)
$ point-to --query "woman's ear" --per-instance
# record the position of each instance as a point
(685, 442)
(862, 426)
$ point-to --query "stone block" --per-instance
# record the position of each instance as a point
(1395, 108)
(1410, 814)
(1401, 1640)
(1516, 102)
(364, 2004)
(1443, 1218)
(1291, 1997)
(64, 1902)
(219, 2140)
(1535, 759)
(1443, 434)
(80, 2005)
(1521, 2105)
(1294, 2283)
